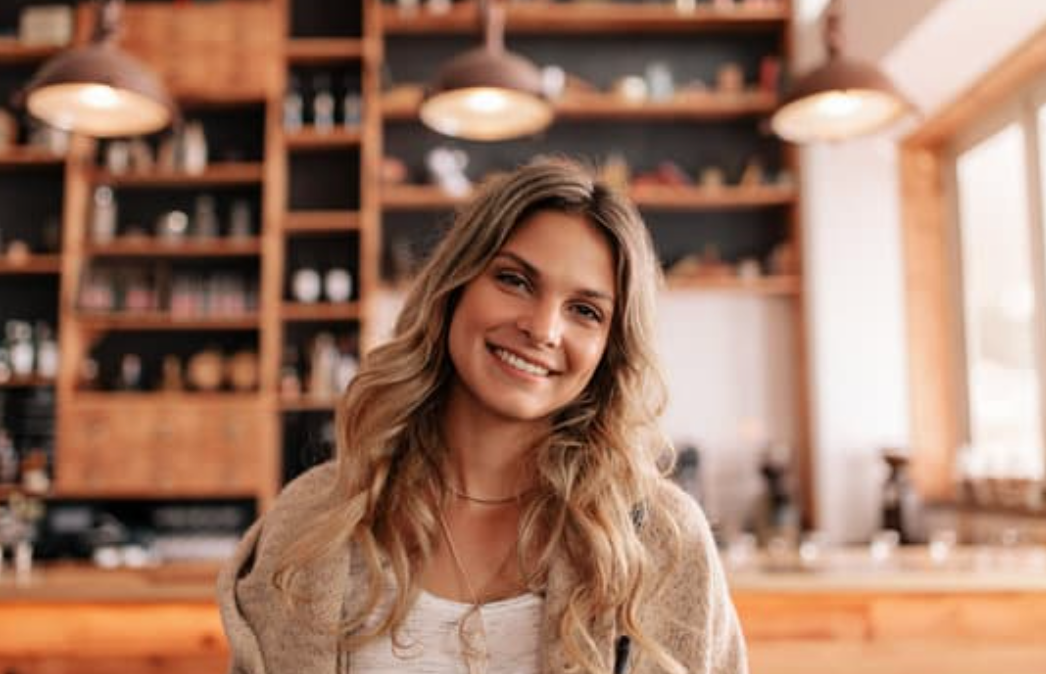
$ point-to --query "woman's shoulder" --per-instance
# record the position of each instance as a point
(311, 491)
(672, 515)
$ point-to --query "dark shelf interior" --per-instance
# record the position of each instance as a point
(325, 180)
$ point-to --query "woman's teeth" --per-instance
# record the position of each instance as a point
(518, 363)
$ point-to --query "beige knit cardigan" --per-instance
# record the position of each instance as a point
(692, 615)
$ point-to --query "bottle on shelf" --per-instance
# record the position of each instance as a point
(293, 106)
(900, 506)
(103, 215)
(322, 104)
(351, 106)
(130, 378)
(20, 347)
(194, 148)
(46, 351)
(205, 218)
(8, 459)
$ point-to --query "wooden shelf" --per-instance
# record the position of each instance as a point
(599, 106)
(145, 247)
(12, 51)
(311, 139)
(320, 311)
(26, 382)
(162, 320)
(165, 397)
(321, 222)
(590, 17)
(427, 197)
(723, 198)
(34, 264)
(221, 100)
(25, 156)
(216, 175)
(306, 403)
(765, 285)
(417, 198)
(323, 50)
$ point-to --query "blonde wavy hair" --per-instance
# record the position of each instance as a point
(597, 467)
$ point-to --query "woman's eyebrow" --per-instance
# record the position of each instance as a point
(533, 271)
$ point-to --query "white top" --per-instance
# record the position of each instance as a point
(430, 633)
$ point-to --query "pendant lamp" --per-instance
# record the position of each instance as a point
(98, 89)
(842, 99)
(487, 93)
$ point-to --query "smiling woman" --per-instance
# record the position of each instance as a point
(497, 504)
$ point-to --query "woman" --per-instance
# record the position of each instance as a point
(496, 504)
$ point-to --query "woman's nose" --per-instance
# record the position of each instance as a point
(542, 324)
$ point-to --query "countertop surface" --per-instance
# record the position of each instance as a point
(910, 569)
(84, 582)
(836, 570)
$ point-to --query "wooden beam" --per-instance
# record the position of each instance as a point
(1012, 75)
(932, 320)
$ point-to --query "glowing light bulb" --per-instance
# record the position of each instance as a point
(487, 101)
(99, 96)
(838, 104)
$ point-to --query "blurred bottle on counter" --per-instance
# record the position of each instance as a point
(901, 509)
(776, 513)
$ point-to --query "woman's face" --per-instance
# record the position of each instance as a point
(529, 332)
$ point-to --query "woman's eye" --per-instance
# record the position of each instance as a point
(512, 280)
(588, 313)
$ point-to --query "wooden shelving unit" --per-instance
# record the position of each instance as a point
(215, 175)
(34, 264)
(585, 18)
(150, 248)
(323, 189)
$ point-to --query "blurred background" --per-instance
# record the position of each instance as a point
(210, 209)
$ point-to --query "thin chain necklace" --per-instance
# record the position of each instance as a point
(485, 501)
(475, 653)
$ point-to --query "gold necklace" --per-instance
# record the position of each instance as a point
(485, 501)
(475, 634)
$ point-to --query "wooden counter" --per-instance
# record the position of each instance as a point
(73, 619)
(975, 615)
(983, 612)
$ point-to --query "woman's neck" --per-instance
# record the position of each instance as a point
(489, 457)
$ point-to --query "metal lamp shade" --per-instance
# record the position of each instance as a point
(487, 94)
(841, 100)
(99, 90)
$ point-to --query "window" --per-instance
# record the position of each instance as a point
(998, 205)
